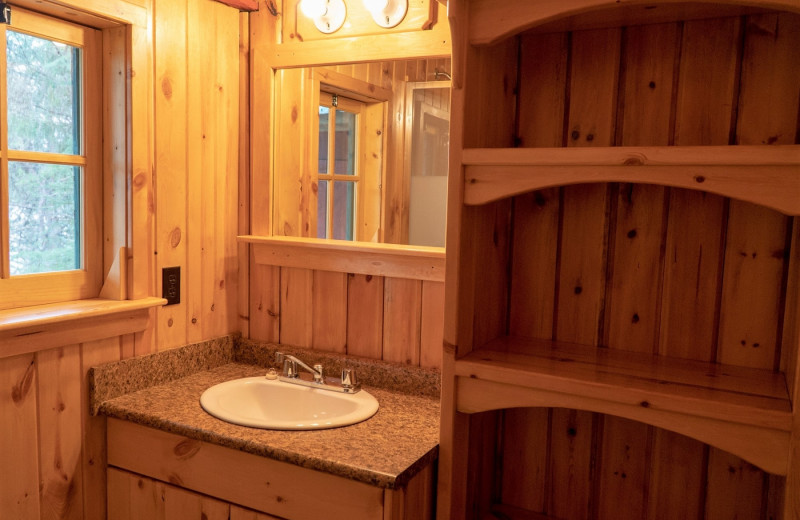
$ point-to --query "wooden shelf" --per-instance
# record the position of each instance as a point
(765, 175)
(492, 21)
(506, 512)
(400, 261)
(741, 410)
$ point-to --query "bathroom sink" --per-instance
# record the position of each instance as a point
(273, 404)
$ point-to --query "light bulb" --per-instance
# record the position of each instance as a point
(313, 8)
(376, 6)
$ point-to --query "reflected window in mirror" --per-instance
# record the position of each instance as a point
(338, 173)
(363, 169)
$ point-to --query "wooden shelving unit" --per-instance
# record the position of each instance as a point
(742, 410)
(765, 175)
(743, 407)
(491, 21)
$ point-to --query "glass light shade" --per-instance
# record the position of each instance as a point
(313, 8)
(390, 14)
(375, 6)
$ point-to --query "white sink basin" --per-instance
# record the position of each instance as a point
(276, 405)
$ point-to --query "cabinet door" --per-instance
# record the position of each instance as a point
(133, 497)
(240, 513)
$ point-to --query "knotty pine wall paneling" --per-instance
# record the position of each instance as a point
(196, 50)
(646, 268)
(51, 450)
(377, 317)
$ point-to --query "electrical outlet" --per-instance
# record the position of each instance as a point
(171, 284)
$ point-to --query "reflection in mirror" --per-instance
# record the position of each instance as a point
(338, 135)
(361, 152)
(428, 149)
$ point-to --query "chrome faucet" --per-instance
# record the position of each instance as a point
(290, 364)
(348, 384)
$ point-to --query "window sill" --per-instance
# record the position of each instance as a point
(31, 329)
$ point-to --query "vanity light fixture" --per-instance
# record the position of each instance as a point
(387, 13)
(328, 15)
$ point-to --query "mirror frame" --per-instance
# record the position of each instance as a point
(268, 57)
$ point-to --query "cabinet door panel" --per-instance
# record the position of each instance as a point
(132, 497)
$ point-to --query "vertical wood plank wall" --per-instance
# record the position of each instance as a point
(196, 78)
(637, 267)
(51, 451)
(377, 317)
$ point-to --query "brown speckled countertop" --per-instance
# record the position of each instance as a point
(385, 450)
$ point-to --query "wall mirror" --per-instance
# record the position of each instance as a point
(361, 152)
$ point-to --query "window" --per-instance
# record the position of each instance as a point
(338, 175)
(50, 153)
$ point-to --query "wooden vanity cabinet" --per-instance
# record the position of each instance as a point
(136, 497)
(155, 474)
(623, 261)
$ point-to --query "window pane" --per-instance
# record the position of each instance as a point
(343, 203)
(43, 95)
(324, 125)
(345, 143)
(322, 210)
(44, 217)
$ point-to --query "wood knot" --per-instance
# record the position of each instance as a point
(166, 88)
(139, 180)
(23, 386)
(633, 161)
(186, 449)
(175, 237)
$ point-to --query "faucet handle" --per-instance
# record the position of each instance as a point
(319, 377)
(349, 379)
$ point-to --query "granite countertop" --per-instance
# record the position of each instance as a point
(385, 450)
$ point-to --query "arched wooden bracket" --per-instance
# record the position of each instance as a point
(744, 411)
(765, 175)
(492, 21)
(242, 5)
